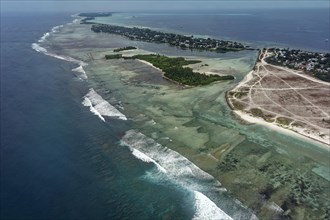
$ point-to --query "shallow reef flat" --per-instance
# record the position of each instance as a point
(272, 173)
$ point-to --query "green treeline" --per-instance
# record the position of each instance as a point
(314, 63)
(178, 40)
(113, 56)
(89, 16)
(124, 48)
(174, 70)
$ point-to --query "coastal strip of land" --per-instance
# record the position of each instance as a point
(314, 64)
(173, 69)
(178, 40)
(284, 97)
(286, 89)
(89, 16)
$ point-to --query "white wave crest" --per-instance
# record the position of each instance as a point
(101, 107)
(56, 28)
(206, 209)
(67, 58)
(86, 102)
(184, 173)
(138, 154)
(43, 38)
(75, 21)
(80, 72)
(167, 158)
(38, 48)
(47, 34)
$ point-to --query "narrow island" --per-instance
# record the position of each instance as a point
(173, 69)
(178, 40)
(89, 16)
(286, 88)
(124, 48)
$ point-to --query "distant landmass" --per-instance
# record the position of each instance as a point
(91, 16)
(178, 40)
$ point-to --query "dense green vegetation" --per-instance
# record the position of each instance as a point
(314, 63)
(113, 56)
(87, 20)
(91, 16)
(178, 40)
(95, 14)
(283, 121)
(124, 48)
(257, 112)
(173, 69)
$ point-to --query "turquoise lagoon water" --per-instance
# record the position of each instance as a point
(68, 152)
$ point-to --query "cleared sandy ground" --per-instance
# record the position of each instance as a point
(285, 98)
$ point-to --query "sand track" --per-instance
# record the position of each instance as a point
(285, 98)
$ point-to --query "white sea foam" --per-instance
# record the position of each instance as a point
(206, 209)
(80, 72)
(43, 38)
(75, 20)
(38, 48)
(67, 58)
(101, 107)
(183, 172)
(46, 35)
(86, 102)
(138, 154)
(56, 28)
(167, 158)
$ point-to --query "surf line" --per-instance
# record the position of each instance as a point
(79, 71)
(101, 107)
(175, 168)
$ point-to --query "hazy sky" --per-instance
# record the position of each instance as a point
(110, 5)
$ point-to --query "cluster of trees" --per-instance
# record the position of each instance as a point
(124, 48)
(95, 14)
(113, 56)
(91, 16)
(317, 64)
(174, 70)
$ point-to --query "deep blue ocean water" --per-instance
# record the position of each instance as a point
(58, 161)
(296, 28)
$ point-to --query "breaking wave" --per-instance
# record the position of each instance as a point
(179, 170)
(138, 154)
(101, 107)
(43, 38)
(38, 48)
(80, 72)
(56, 28)
(206, 209)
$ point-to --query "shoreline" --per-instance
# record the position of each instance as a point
(173, 81)
(255, 120)
(195, 161)
(163, 74)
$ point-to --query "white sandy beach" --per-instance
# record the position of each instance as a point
(287, 131)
